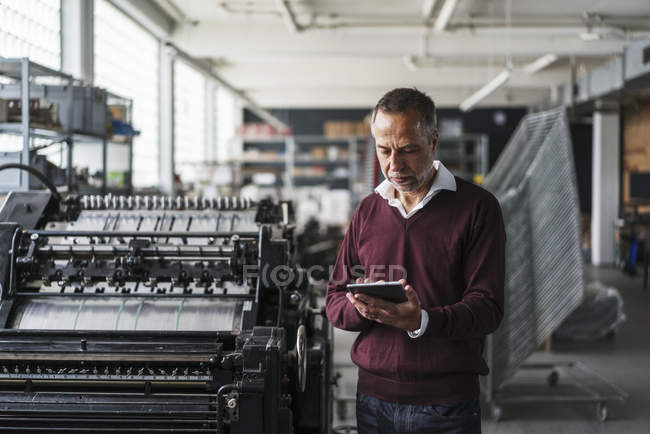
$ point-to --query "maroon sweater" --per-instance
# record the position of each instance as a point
(453, 251)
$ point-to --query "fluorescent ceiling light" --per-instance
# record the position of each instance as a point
(589, 36)
(444, 16)
(541, 63)
(480, 94)
(410, 63)
(427, 8)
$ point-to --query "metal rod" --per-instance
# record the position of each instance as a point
(115, 419)
(50, 428)
(288, 16)
(106, 412)
(584, 368)
(24, 176)
(167, 356)
(557, 398)
(134, 295)
(149, 255)
(165, 403)
(136, 234)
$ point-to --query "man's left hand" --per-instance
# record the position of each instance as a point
(406, 316)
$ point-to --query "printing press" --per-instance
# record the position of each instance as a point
(157, 314)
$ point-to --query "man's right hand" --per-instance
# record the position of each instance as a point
(406, 315)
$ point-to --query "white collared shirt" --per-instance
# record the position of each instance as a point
(443, 180)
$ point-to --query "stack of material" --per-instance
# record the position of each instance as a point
(535, 182)
(343, 129)
(598, 316)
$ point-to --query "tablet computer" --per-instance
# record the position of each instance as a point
(389, 291)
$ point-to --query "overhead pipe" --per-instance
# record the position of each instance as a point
(174, 11)
(427, 9)
(247, 11)
(288, 16)
(283, 8)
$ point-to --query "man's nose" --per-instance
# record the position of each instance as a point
(395, 160)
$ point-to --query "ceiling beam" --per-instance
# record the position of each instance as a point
(233, 41)
(149, 15)
(367, 97)
(321, 74)
(173, 11)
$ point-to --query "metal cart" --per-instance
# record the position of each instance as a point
(555, 382)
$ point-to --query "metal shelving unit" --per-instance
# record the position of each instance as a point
(465, 155)
(291, 152)
(23, 76)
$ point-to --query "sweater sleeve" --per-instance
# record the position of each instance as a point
(340, 312)
(480, 310)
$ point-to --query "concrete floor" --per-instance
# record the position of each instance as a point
(623, 360)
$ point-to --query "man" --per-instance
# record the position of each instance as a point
(419, 360)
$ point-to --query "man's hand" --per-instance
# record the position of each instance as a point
(406, 315)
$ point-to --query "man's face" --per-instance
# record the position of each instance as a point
(404, 151)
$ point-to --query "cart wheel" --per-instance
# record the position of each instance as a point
(497, 413)
(553, 378)
(601, 411)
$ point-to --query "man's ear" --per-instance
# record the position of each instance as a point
(434, 141)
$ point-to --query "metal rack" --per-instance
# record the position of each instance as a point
(535, 183)
(466, 155)
(288, 151)
(556, 382)
(24, 75)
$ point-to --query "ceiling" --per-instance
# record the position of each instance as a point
(343, 53)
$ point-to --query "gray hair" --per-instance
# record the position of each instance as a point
(401, 99)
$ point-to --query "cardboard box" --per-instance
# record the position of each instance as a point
(343, 129)
(87, 114)
(117, 112)
(318, 153)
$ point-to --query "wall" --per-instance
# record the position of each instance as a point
(582, 140)
(310, 121)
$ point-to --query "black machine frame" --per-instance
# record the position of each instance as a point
(270, 376)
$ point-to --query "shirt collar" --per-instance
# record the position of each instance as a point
(444, 180)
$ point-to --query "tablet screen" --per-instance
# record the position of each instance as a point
(389, 291)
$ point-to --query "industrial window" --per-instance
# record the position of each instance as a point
(31, 28)
(127, 63)
(230, 114)
(191, 137)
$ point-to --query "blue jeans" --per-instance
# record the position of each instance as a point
(375, 416)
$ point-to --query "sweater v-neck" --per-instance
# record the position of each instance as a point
(406, 222)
